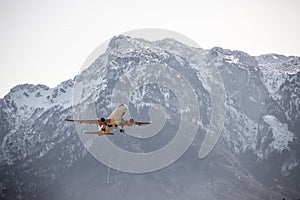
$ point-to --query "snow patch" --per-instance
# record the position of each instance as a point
(231, 59)
(273, 80)
(281, 135)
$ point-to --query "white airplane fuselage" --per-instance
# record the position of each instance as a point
(115, 120)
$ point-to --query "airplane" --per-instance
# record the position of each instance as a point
(115, 120)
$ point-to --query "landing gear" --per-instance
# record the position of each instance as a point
(122, 130)
(103, 129)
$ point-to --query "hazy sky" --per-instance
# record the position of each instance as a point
(47, 41)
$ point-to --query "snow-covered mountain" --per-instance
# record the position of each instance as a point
(257, 157)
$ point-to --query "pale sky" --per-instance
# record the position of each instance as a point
(46, 42)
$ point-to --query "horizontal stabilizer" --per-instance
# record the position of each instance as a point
(91, 132)
(100, 134)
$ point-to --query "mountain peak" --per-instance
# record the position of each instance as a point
(123, 44)
(28, 87)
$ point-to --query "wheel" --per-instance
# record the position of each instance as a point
(122, 130)
(102, 120)
(103, 129)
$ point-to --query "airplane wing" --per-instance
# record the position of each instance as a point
(83, 121)
(132, 122)
(100, 122)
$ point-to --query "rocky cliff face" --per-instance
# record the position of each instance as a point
(257, 156)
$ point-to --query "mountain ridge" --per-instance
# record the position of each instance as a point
(262, 95)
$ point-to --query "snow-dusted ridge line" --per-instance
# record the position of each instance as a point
(28, 98)
(37, 142)
(41, 96)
